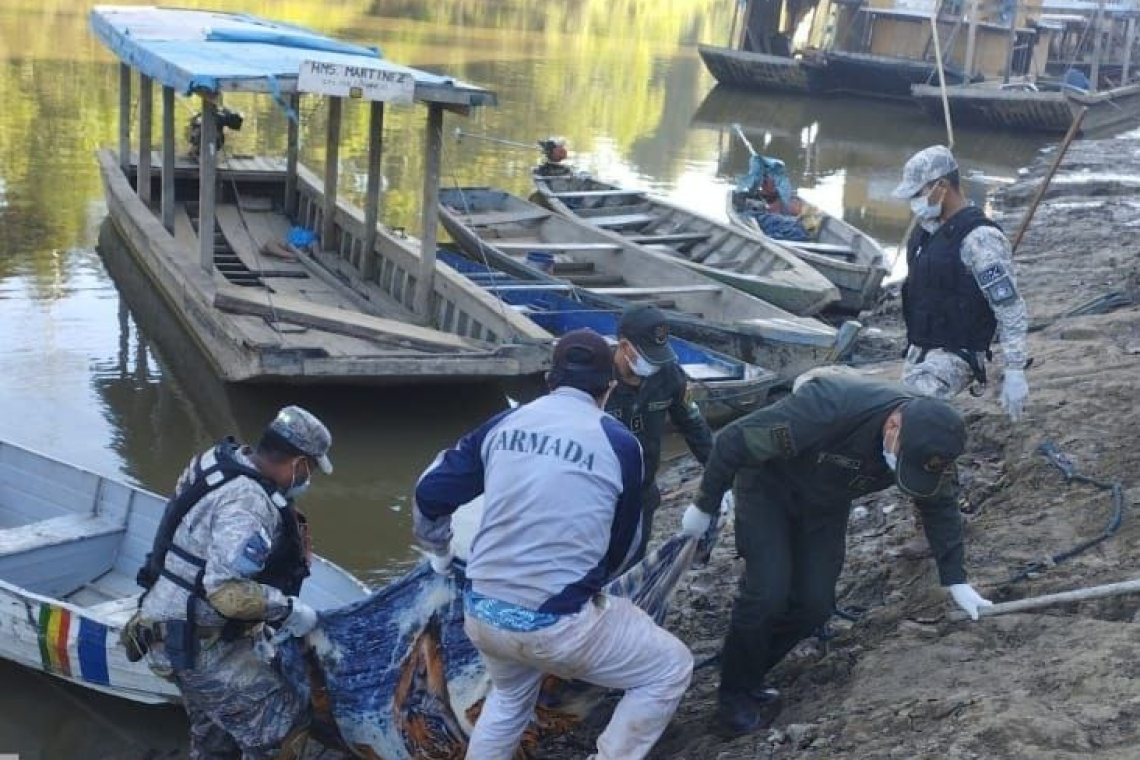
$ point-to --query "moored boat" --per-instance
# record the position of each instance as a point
(601, 268)
(764, 72)
(274, 277)
(722, 386)
(71, 542)
(747, 262)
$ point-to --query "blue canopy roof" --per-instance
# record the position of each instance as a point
(209, 52)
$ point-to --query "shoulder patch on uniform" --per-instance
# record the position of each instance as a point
(253, 554)
(991, 274)
(782, 437)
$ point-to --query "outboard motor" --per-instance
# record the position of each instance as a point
(553, 153)
(226, 119)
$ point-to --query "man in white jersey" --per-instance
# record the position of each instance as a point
(561, 482)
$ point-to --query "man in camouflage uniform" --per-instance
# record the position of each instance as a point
(960, 288)
(235, 561)
(797, 465)
(651, 385)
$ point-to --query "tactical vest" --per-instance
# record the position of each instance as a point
(287, 564)
(942, 304)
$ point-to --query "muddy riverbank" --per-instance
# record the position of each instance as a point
(903, 681)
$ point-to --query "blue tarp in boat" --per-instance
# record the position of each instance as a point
(401, 680)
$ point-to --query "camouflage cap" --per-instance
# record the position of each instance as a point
(923, 168)
(306, 433)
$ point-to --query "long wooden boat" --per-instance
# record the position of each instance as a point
(70, 544)
(722, 386)
(1042, 108)
(361, 304)
(879, 76)
(499, 229)
(845, 255)
(762, 72)
(745, 261)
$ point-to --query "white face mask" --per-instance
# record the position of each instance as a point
(295, 491)
(891, 459)
(641, 366)
(922, 208)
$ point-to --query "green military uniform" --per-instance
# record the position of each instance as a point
(797, 465)
(643, 409)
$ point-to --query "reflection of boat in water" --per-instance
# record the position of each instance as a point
(354, 304)
(70, 544)
(607, 271)
(723, 387)
(750, 263)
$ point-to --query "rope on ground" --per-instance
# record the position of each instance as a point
(1050, 451)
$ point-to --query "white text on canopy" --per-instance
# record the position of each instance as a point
(361, 82)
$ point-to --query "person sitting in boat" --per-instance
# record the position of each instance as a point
(561, 482)
(767, 187)
(651, 385)
(229, 557)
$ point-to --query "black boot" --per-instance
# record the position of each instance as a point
(741, 712)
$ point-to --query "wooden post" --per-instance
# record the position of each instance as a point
(292, 146)
(1074, 128)
(207, 183)
(1011, 42)
(971, 40)
(125, 117)
(332, 157)
(433, 147)
(1064, 597)
(1129, 41)
(168, 158)
(1098, 43)
(942, 87)
(146, 111)
(372, 202)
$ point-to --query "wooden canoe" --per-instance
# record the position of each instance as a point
(851, 259)
(722, 386)
(70, 544)
(604, 269)
(747, 262)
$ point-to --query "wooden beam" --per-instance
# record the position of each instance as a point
(146, 111)
(332, 158)
(337, 320)
(1098, 44)
(1011, 43)
(207, 183)
(372, 201)
(1129, 41)
(293, 131)
(433, 148)
(168, 159)
(125, 117)
(971, 40)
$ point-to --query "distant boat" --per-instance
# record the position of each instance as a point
(1041, 107)
(848, 257)
(272, 276)
(604, 269)
(71, 542)
(761, 71)
(722, 386)
(747, 262)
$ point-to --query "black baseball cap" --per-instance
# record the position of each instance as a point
(582, 360)
(932, 437)
(645, 326)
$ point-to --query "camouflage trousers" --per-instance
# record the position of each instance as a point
(238, 705)
(940, 374)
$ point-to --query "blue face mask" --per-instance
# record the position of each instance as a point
(296, 490)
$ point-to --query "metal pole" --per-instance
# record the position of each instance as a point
(207, 183)
(942, 84)
(1129, 41)
(146, 111)
(125, 117)
(332, 158)
(433, 147)
(1074, 128)
(1098, 43)
(372, 202)
(168, 159)
(292, 146)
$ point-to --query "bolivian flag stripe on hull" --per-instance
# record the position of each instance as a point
(56, 650)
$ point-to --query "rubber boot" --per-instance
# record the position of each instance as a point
(745, 712)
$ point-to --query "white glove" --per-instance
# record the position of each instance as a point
(302, 619)
(1014, 390)
(968, 599)
(727, 505)
(695, 522)
(441, 563)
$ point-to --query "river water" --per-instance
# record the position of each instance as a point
(94, 370)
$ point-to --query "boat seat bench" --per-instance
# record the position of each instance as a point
(621, 220)
(662, 289)
(55, 531)
(679, 237)
(559, 247)
(595, 193)
(829, 249)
